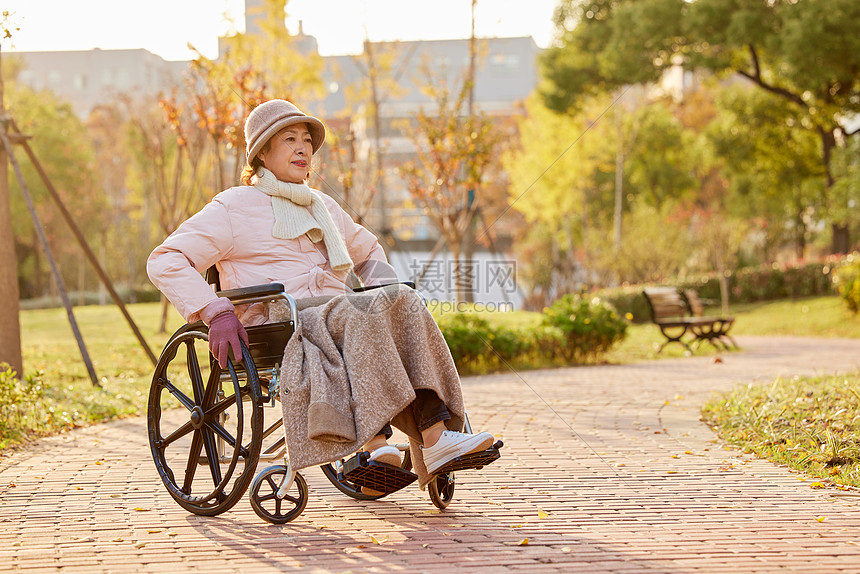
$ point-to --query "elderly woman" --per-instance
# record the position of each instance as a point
(274, 228)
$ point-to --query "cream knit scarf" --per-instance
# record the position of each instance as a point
(292, 219)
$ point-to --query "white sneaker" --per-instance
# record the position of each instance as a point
(387, 454)
(453, 444)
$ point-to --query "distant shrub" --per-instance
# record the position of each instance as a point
(847, 279)
(466, 335)
(473, 340)
(21, 404)
(589, 326)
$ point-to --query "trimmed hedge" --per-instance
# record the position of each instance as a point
(573, 331)
(148, 294)
(748, 285)
(847, 279)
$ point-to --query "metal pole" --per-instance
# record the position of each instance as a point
(85, 246)
(56, 272)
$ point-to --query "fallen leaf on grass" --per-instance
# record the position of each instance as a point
(523, 542)
(816, 485)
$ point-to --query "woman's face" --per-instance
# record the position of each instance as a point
(289, 154)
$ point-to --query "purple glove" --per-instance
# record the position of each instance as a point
(224, 333)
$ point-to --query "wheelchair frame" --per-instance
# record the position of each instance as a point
(278, 493)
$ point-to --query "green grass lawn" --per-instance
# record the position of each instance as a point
(817, 317)
(56, 393)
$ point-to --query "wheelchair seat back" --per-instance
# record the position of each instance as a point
(267, 343)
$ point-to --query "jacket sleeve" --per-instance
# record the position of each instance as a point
(175, 266)
(368, 257)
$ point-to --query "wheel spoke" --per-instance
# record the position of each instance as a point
(271, 482)
(228, 438)
(175, 435)
(180, 396)
(194, 372)
(221, 406)
(193, 457)
(213, 385)
(212, 455)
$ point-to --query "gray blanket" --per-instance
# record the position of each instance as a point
(353, 365)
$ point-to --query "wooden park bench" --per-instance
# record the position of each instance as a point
(678, 313)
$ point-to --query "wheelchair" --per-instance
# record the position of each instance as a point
(207, 426)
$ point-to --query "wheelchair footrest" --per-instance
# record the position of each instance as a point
(473, 461)
(376, 475)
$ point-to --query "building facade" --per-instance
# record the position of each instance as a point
(506, 74)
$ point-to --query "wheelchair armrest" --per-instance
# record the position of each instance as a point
(252, 292)
(410, 284)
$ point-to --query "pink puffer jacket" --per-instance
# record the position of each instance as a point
(234, 232)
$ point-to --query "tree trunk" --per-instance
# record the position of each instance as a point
(800, 237)
(468, 246)
(840, 241)
(457, 267)
(10, 326)
(165, 307)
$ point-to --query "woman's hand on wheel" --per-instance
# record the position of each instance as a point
(225, 330)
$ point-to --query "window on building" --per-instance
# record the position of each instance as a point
(506, 63)
(80, 81)
(123, 80)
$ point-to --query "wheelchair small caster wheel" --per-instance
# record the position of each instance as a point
(264, 496)
(441, 489)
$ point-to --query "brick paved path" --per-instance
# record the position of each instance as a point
(605, 469)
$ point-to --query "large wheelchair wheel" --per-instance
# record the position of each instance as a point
(264, 496)
(199, 416)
